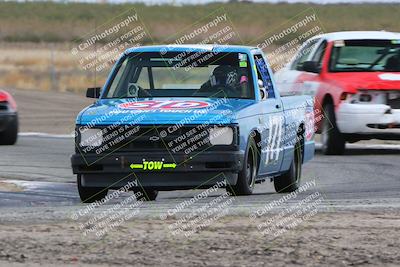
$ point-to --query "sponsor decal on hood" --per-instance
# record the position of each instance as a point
(164, 104)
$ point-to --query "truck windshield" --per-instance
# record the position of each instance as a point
(183, 74)
(365, 56)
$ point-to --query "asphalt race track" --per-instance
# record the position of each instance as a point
(38, 171)
(367, 177)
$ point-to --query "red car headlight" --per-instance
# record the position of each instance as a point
(6, 97)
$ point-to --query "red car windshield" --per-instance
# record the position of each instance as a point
(365, 56)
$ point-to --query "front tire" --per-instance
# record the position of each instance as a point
(333, 142)
(9, 136)
(90, 194)
(247, 176)
(290, 181)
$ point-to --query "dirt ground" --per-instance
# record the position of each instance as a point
(327, 239)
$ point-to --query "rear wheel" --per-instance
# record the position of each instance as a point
(146, 194)
(333, 142)
(9, 136)
(290, 181)
(90, 194)
(247, 176)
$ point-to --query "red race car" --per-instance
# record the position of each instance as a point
(8, 119)
(355, 77)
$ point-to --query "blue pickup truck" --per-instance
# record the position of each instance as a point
(191, 116)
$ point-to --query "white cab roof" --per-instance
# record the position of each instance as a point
(360, 35)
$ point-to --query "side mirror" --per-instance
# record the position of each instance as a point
(263, 92)
(93, 92)
(311, 66)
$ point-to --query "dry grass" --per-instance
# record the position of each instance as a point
(44, 67)
(52, 22)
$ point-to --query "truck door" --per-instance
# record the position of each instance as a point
(272, 121)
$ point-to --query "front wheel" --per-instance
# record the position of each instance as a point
(290, 181)
(333, 142)
(90, 194)
(9, 136)
(247, 176)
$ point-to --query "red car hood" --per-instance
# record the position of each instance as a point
(352, 81)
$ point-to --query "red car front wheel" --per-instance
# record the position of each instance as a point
(10, 134)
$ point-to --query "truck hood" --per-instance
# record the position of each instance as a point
(162, 111)
(352, 81)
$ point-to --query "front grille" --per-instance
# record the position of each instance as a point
(169, 139)
(382, 126)
(165, 138)
(3, 105)
(393, 101)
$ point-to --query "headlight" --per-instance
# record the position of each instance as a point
(365, 97)
(91, 137)
(221, 136)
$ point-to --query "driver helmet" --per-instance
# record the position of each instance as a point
(224, 75)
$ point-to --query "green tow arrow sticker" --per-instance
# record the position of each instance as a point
(153, 165)
(169, 165)
(136, 166)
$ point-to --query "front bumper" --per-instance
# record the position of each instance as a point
(198, 171)
(368, 119)
(6, 118)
